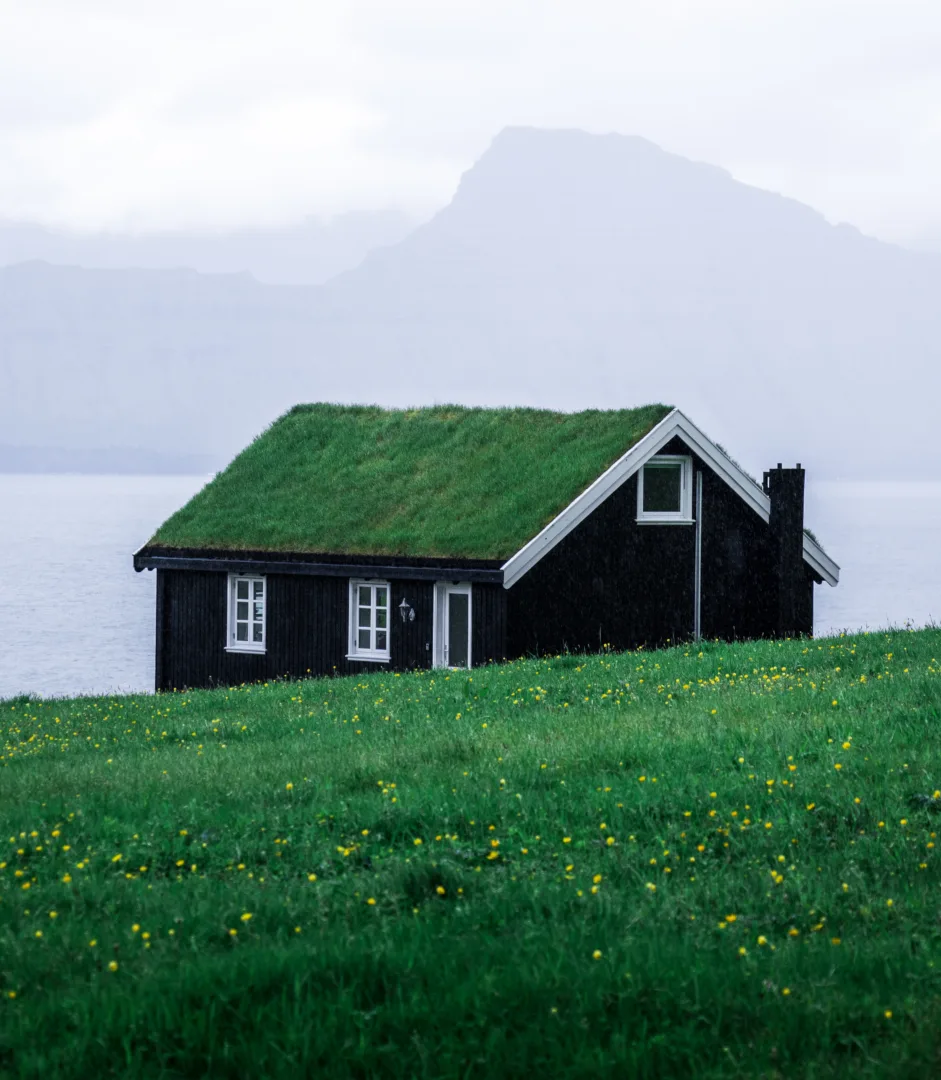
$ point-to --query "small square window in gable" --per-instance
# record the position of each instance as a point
(665, 489)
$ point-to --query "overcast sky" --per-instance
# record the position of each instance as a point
(217, 113)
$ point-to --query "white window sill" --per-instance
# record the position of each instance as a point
(258, 650)
(374, 658)
(666, 521)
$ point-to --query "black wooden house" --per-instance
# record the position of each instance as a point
(346, 539)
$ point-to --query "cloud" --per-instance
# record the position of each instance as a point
(237, 112)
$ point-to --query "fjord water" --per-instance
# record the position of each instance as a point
(75, 617)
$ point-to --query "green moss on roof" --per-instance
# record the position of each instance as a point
(445, 481)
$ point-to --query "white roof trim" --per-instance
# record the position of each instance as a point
(674, 423)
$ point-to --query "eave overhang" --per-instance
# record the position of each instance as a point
(368, 567)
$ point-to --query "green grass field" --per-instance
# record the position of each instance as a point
(697, 862)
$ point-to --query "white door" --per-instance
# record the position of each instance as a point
(452, 625)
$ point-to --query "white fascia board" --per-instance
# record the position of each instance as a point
(741, 483)
(820, 561)
(737, 479)
(595, 494)
(674, 423)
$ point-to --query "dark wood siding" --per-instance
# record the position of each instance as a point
(488, 624)
(738, 596)
(612, 581)
(411, 641)
(307, 620)
(160, 628)
(609, 582)
(739, 590)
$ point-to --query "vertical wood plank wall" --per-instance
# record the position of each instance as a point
(488, 624)
(609, 582)
(160, 627)
(739, 591)
(613, 581)
(307, 621)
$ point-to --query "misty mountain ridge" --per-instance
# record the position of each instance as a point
(617, 196)
(307, 253)
(569, 271)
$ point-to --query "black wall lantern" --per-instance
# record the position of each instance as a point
(406, 611)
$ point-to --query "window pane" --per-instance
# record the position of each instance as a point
(241, 631)
(381, 615)
(381, 597)
(381, 640)
(365, 594)
(365, 616)
(256, 632)
(458, 643)
(258, 589)
(363, 639)
(241, 610)
(662, 488)
(259, 611)
(241, 590)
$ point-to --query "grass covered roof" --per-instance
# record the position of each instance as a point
(444, 481)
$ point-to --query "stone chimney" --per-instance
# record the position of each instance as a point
(785, 488)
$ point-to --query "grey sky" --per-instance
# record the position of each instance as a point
(131, 114)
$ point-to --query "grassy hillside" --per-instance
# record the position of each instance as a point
(697, 862)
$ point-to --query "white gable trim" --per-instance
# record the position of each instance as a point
(673, 424)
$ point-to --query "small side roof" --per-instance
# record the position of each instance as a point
(439, 482)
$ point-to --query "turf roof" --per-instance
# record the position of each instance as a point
(445, 481)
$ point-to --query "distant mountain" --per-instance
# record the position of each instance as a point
(570, 270)
(578, 270)
(169, 360)
(304, 254)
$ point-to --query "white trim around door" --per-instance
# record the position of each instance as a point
(450, 600)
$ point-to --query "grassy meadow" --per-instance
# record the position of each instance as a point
(701, 862)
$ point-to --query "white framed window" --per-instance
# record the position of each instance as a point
(246, 614)
(665, 490)
(369, 620)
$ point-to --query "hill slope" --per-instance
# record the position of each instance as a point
(699, 862)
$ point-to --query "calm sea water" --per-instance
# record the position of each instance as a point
(75, 617)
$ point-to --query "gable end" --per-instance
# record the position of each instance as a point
(673, 424)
